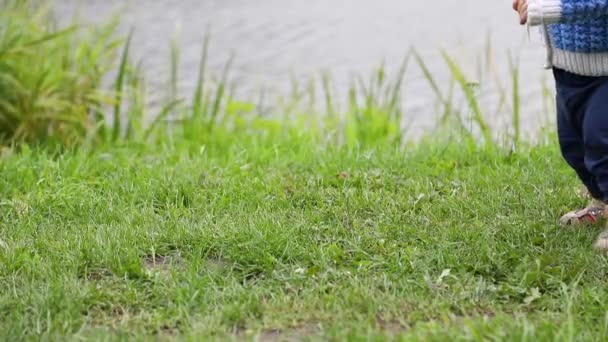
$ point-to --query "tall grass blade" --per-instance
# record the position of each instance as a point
(162, 115)
(120, 82)
(395, 97)
(514, 69)
(428, 76)
(448, 107)
(197, 102)
(470, 97)
(488, 52)
(326, 83)
(174, 72)
(311, 91)
(219, 93)
(137, 111)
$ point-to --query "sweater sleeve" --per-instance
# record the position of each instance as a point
(565, 11)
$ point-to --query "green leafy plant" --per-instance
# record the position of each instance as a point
(50, 78)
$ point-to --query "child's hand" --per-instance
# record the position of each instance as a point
(521, 7)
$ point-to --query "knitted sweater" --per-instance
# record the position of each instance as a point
(576, 34)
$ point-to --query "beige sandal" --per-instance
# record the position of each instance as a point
(592, 214)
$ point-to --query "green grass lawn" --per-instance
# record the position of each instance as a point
(296, 241)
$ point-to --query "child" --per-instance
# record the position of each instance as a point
(576, 36)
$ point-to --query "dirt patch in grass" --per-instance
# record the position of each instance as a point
(391, 326)
(97, 274)
(157, 263)
(108, 316)
(297, 333)
(169, 331)
(217, 264)
(163, 263)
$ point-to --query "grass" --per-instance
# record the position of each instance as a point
(254, 240)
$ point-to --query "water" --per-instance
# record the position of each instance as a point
(276, 40)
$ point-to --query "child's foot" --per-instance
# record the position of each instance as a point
(593, 213)
(601, 244)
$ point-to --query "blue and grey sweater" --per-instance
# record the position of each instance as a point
(576, 33)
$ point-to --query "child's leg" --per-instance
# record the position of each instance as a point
(573, 93)
(596, 147)
(595, 128)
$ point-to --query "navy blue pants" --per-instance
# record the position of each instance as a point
(582, 125)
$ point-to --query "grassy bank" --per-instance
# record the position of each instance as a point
(295, 240)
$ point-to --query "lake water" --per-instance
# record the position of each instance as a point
(276, 40)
